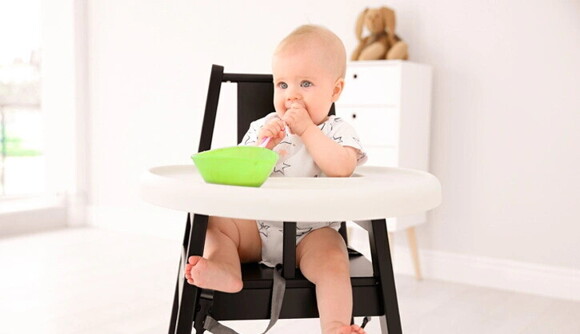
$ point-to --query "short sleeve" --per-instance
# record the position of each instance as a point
(344, 134)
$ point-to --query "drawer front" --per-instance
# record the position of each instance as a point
(375, 126)
(373, 85)
(382, 156)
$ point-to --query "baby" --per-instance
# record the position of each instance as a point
(308, 68)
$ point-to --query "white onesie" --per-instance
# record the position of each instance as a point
(296, 161)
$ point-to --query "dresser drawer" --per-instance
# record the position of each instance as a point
(381, 156)
(371, 85)
(375, 126)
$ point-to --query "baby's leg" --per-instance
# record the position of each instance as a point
(227, 243)
(323, 259)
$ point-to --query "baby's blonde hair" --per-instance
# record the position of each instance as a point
(321, 37)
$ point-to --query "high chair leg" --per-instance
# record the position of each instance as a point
(187, 295)
(180, 277)
(383, 265)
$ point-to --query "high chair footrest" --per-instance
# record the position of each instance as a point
(298, 303)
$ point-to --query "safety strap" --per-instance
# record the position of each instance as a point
(213, 326)
(278, 288)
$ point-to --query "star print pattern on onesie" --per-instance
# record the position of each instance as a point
(263, 228)
(295, 161)
(302, 230)
(294, 157)
(280, 170)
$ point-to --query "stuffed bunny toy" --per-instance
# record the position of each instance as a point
(382, 43)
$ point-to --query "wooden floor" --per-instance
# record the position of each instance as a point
(93, 281)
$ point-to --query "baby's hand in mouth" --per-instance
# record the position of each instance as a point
(296, 104)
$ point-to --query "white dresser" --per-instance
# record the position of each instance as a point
(389, 104)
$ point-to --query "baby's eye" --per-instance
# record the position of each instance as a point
(282, 85)
(306, 84)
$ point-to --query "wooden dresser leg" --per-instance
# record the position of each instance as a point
(412, 239)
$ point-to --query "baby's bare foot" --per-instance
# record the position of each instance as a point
(346, 329)
(210, 275)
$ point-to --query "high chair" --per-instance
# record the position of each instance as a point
(367, 198)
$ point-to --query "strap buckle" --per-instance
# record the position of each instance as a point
(203, 310)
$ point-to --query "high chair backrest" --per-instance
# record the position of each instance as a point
(255, 93)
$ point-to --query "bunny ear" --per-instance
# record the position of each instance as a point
(359, 24)
(389, 19)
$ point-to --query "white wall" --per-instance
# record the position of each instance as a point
(505, 127)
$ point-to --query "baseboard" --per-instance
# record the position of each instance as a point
(32, 215)
(536, 279)
(32, 221)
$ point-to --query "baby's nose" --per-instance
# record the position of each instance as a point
(293, 92)
(291, 97)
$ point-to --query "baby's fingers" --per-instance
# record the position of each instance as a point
(281, 129)
(297, 104)
(265, 133)
(277, 125)
(274, 129)
(282, 134)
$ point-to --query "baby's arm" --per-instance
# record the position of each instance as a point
(332, 158)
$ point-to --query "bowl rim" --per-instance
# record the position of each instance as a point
(240, 147)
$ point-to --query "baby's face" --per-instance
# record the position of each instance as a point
(301, 76)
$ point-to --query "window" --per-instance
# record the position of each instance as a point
(36, 93)
(22, 167)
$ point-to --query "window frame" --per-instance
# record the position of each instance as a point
(64, 104)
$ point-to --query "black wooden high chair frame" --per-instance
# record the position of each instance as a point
(373, 283)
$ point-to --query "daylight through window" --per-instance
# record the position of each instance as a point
(22, 166)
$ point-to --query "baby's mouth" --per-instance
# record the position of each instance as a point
(300, 103)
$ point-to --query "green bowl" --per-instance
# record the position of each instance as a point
(247, 166)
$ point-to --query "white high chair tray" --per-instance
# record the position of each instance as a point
(371, 193)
